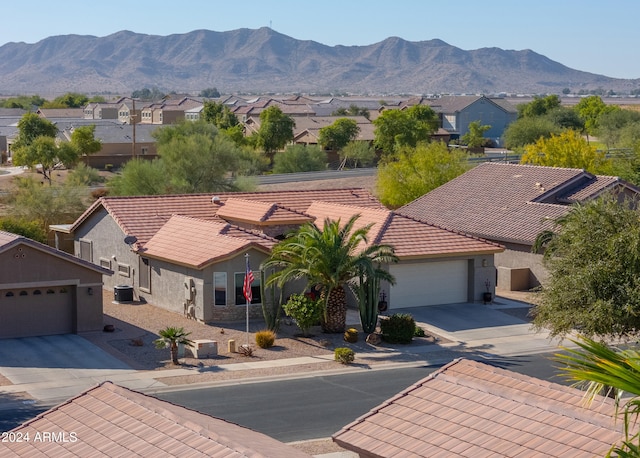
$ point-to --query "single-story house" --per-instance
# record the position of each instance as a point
(186, 253)
(44, 291)
(109, 420)
(511, 204)
(468, 408)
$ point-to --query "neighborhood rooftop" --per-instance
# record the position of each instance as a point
(509, 202)
(110, 420)
(468, 408)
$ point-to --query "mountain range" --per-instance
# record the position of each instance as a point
(263, 60)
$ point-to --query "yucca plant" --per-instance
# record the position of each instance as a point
(607, 371)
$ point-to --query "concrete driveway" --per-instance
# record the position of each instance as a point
(500, 328)
(58, 367)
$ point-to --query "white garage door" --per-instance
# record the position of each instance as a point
(431, 283)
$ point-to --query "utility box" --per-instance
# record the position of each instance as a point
(203, 348)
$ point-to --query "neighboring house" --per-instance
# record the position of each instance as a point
(511, 204)
(9, 118)
(102, 110)
(457, 112)
(57, 113)
(307, 129)
(117, 142)
(109, 420)
(205, 278)
(468, 408)
(186, 253)
(44, 291)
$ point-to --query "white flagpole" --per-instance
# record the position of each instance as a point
(246, 271)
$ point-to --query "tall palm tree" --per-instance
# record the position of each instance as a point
(612, 371)
(172, 337)
(331, 258)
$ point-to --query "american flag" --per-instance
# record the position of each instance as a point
(246, 287)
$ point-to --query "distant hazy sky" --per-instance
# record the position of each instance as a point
(597, 36)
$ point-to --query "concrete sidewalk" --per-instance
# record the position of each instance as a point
(474, 330)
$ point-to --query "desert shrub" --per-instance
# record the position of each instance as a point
(398, 328)
(305, 310)
(100, 192)
(245, 350)
(344, 355)
(265, 338)
(419, 332)
(351, 335)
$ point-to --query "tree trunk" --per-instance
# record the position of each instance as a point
(174, 353)
(335, 316)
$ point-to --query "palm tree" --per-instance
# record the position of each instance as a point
(612, 371)
(172, 337)
(331, 258)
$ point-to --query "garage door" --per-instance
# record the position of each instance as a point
(31, 312)
(432, 283)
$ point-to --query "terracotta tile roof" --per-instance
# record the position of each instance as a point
(469, 408)
(259, 213)
(143, 216)
(110, 420)
(508, 202)
(410, 238)
(197, 243)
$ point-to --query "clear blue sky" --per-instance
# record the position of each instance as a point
(590, 35)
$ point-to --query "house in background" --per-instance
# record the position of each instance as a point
(457, 112)
(511, 204)
(186, 253)
(468, 408)
(44, 291)
(109, 420)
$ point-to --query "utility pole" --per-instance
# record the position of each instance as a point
(133, 126)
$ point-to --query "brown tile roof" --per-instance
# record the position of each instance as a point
(259, 213)
(508, 202)
(110, 420)
(410, 238)
(143, 216)
(469, 408)
(197, 243)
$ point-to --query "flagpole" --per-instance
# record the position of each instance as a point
(246, 270)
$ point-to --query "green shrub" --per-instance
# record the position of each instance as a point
(398, 328)
(344, 355)
(265, 338)
(419, 332)
(306, 311)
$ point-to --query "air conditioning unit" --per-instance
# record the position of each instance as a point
(203, 348)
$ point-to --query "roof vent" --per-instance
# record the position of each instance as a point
(215, 200)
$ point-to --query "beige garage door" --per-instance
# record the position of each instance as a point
(429, 283)
(31, 312)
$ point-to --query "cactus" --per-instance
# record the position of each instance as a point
(351, 335)
(270, 307)
(367, 290)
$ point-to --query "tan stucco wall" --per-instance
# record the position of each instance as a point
(517, 257)
(24, 266)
